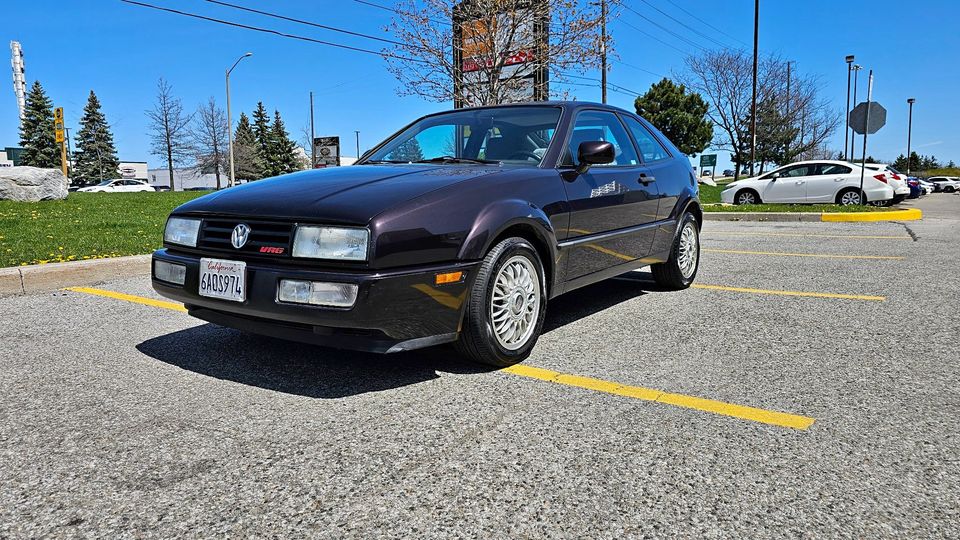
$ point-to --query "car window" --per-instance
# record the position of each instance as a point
(833, 168)
(650, 147)
(601, 126)
(798, 170)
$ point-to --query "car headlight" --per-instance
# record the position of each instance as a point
(331, 243)
(182, 231)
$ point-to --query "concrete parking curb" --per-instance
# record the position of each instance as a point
(911, 214)
(49, 277)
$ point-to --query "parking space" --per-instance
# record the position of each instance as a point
(807, 386)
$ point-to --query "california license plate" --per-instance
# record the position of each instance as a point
(226, 280)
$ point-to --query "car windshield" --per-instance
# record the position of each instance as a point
(515, 135)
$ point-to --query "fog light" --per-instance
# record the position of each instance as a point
(169, 272)
(317, 293)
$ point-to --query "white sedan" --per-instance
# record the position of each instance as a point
(946, 184)
(118, 186)
(809, 182)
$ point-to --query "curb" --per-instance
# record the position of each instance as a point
(48, 277)
(911, 214)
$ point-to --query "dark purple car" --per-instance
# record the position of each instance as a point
(459, 228)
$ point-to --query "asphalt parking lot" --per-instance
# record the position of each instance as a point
(652, 414)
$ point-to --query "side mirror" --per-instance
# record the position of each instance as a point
(594, 153)
(774, 176)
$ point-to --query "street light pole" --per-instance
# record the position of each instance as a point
(846, 132)
(856, 72)
(603, 51)
(358, 143)
(910, 101)
(230, 117)
(313, 146)
(753, 106)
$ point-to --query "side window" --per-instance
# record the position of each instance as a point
(833, 168)
(798, 170)
(650, 147)
(601, 126)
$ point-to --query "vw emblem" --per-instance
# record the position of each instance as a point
(240, 235)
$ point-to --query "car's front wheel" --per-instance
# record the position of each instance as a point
(746, 196)
(506, 306)
(681, 268)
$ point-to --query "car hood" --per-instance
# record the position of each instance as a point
(350, 195)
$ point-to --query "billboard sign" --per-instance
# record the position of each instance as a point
(327, 150)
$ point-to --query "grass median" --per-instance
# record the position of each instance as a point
(710, 197)
(85, 226)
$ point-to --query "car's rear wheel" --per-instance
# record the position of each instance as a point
(506, 306)
(850, 197)
(949, 189)
(681, 268)
(746, 196)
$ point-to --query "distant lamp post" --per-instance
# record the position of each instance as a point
(856, 71)
(230, 117)
(847, 143)
(358, 144)
(910, 101)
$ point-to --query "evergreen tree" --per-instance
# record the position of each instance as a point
(40, 148)
(283, 151)
(681, 116)
(408, 151)
(96, 156)
(246, 159)
(261, 130)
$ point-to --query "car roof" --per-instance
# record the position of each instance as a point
(571, 105)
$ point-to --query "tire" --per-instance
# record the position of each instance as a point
(949, 189)
(679, 271)
(514, 271)
(746, 196)
(850, 197)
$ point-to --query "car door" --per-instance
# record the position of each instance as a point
(116, 186)
(612, 206)
(788, 185)
(827, 181)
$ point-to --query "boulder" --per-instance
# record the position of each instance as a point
(30, 184)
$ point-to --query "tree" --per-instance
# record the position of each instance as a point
(283, 151)
(40, 148)
(210, 133)
(408, 151)
(171, 128)
(246, 159)
(496, 33)
(96, 156)
(681, 116)
(261, 130)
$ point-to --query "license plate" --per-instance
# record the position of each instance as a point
(226, 280)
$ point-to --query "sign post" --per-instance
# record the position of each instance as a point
(60, 139)
(327, 150)
(709, 160)
(867, 118)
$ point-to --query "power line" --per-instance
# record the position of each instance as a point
(651, 36)
(398, 12)
(685, 25)
(270, 31)
(638, 68)
(664, 28)
(705, 22)
(581, 77)
(309, 23)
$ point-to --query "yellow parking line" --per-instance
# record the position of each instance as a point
(790, 293)
(796, 235)
(129, 298)
(637, 392)
(820, 255)
(647, 394)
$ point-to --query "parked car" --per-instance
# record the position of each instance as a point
(916, 191)
(809, 182)
(896, 179)
(928, 187)
(946, 184)
(458, 228)
(118, 186)
(728, 172)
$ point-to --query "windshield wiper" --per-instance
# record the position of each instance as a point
(451, 159)
(381, 161)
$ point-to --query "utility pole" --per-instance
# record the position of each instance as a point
(910, 101)
(358, 143)
(856, 72)
(866, 123)
(229, 124)
(753, 106)
(313, 147)
(603, 51)
(846, 133)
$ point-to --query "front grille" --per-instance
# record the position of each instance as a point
(215, 235)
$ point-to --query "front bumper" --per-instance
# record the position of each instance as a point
(396, 310)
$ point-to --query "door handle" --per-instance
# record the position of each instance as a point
(646, 180)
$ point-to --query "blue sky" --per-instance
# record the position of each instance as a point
(120, 51)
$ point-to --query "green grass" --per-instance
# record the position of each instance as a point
(85, 226)
(710, 195)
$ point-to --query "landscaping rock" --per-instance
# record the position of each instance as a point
(29, 184)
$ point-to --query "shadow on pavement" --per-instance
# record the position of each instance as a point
(318, 372)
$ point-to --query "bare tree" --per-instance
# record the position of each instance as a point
(210, 139)
(498, 54)
(171, 128)
(803, 119)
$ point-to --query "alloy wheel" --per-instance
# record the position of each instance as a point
(850, 198)
(689, 251)
(515, 302)
(746, 197)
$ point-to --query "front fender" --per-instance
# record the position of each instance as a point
(499, 217)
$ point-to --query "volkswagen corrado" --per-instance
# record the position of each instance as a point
(458, 228)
